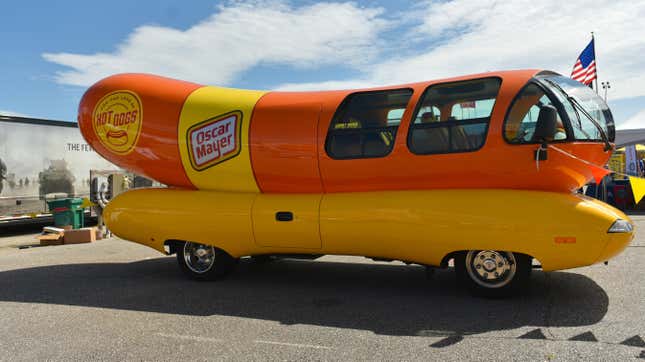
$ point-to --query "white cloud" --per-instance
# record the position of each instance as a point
(12, 113)
(460, 37)
(472, 36)
(636, 121)
(327, 85)
(234, 39)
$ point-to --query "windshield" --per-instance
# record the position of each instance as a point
(582, 96)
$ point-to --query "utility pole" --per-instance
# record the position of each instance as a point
(605, 87)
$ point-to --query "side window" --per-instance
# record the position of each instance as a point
(365, 124)
(522, 117)
(394, 116)
(453, 117)
(428, 114)
(472, 110)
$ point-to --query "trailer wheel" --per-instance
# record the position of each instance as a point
(204, 262)
(492, 273)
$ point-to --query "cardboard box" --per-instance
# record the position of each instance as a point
(50, 239)
(51, 236)
(79, 236)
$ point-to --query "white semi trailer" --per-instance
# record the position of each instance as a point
(42, 159)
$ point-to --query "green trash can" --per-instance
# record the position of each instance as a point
(67, 212)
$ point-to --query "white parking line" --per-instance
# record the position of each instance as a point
(294, 344)
(192, 338)
(207, 339)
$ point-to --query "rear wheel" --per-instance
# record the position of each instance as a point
(204, 262)
(492, 273)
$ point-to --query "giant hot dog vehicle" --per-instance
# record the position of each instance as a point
(481, 169)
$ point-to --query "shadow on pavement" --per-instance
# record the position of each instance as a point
(385, 299)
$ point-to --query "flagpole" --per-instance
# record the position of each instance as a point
(603, 187)
(593, 40)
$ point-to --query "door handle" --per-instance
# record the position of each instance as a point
(284, 216)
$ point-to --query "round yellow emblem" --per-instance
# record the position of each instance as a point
(117, 121)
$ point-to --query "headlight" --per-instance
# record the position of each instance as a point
(621, 226)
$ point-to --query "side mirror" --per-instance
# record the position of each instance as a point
(546, 125)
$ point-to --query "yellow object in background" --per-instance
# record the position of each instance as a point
(638, 188)
(87, 203)
(617, 164)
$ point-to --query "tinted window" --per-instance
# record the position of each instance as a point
(365, 124)
(394, 116)
(471, 110)
(453, 117)
(523, 115)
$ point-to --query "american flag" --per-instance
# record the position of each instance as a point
(584, 71)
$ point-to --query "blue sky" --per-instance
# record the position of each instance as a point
(31, 28)
(54, 50)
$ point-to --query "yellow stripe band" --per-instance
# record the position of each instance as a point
(213, 138)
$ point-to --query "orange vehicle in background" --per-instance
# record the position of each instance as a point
(480, 169)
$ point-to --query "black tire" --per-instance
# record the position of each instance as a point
(262, 259)
(509, 284)
(430, 271)
(222, 263)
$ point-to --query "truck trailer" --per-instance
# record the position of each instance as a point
(39, 160)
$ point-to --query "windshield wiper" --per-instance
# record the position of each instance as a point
(577, 106)
(603, 134)
(575, 109)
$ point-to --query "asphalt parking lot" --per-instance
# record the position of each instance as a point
(115, 300)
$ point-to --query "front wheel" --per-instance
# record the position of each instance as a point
(204, 262)
(492, 273)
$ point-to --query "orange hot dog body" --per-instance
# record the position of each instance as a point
(283, 134)
(156, 153)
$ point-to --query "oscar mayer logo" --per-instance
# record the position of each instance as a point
(215, 140)
(117, 121)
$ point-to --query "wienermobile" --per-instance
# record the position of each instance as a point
(480, 169)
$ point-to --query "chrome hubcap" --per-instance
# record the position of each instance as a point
(490, 268)
(199, 258)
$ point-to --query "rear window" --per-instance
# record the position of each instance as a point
(366, 123)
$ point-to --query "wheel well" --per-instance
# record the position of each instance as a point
(446, 259)
(172, 246)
